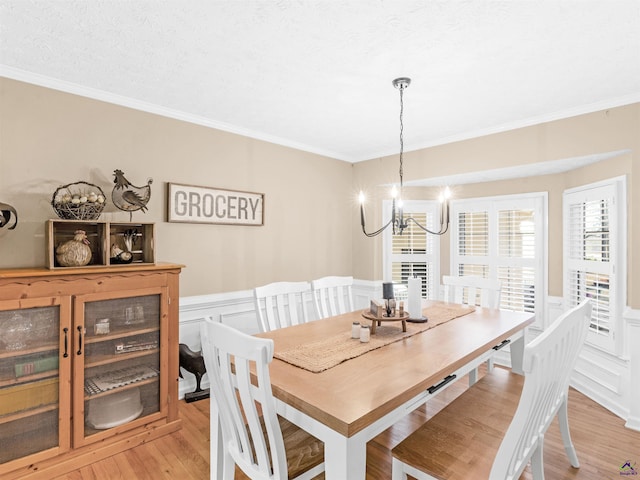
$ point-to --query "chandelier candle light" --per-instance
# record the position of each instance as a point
(398, 221)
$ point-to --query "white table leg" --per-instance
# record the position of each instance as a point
(517, 354)
(345, 458)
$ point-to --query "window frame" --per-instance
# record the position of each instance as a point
(615, 189)
(538, 202)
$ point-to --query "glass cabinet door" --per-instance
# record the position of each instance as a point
(34, 364)
(118, 345)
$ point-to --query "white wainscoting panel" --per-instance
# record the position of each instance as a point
(611, 380)
(238, 310)
(232, 308)
(553, 309)
(607, 379)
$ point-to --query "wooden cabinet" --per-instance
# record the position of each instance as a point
(88, 364)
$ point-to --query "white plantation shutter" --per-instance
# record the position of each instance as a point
(593, 232)
(473, 243)
(414, 253)
(503, 238)
(517, 258)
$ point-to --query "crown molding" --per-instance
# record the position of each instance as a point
(113, 98)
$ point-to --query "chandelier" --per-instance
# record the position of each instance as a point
(398, 221)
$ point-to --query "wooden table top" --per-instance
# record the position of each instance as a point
(354, 394)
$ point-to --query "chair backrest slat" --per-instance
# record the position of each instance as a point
(332, 296)
(548, 362)
(479, 291)
(281, 304)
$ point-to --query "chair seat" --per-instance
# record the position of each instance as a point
(463, 438)
(304, 451)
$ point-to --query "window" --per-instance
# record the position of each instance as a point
(415, 252)
(594, 232)
(503, 238)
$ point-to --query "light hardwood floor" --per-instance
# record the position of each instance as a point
(602, 442)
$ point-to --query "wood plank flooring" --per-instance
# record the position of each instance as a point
(602, 442)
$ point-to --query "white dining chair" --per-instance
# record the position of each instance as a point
(262, 444)
(473, 290)
(496, 427)
(332, 296)
(282, 304)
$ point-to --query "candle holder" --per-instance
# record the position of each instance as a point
(389, 299)
(390, 306)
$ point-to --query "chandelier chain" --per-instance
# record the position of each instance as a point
(401, 136)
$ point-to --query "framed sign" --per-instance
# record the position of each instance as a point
(194, 204)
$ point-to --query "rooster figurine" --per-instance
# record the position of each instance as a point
(128, 197)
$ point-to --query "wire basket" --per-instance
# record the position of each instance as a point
(78, 201)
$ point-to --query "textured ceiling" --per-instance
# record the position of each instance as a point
(316, 75)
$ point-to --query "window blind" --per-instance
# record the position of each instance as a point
(592, 253)
(414, 253)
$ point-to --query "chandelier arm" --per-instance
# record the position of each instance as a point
(442, 231)
(377, 232)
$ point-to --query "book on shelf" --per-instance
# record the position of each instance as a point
(36, 365)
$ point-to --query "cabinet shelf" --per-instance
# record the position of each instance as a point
(49, 347)
(5, 382)
(140, 383)
(98, 360)
(119, 334)
(28, 413)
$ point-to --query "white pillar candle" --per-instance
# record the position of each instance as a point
(414, 299)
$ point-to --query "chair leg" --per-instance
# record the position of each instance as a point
(563, 421)
(397, 470)
(537, 463)
(402, 471)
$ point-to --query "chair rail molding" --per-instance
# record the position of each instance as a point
(238, 310)
(603, 377)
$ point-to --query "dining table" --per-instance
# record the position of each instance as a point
(346, 392)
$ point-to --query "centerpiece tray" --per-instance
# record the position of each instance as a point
(375, 320)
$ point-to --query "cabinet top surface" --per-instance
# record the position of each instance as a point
(46, 272)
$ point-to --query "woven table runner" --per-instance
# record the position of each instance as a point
(331, 351)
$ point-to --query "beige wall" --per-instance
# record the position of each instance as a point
(49, 138)
(607, 131)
